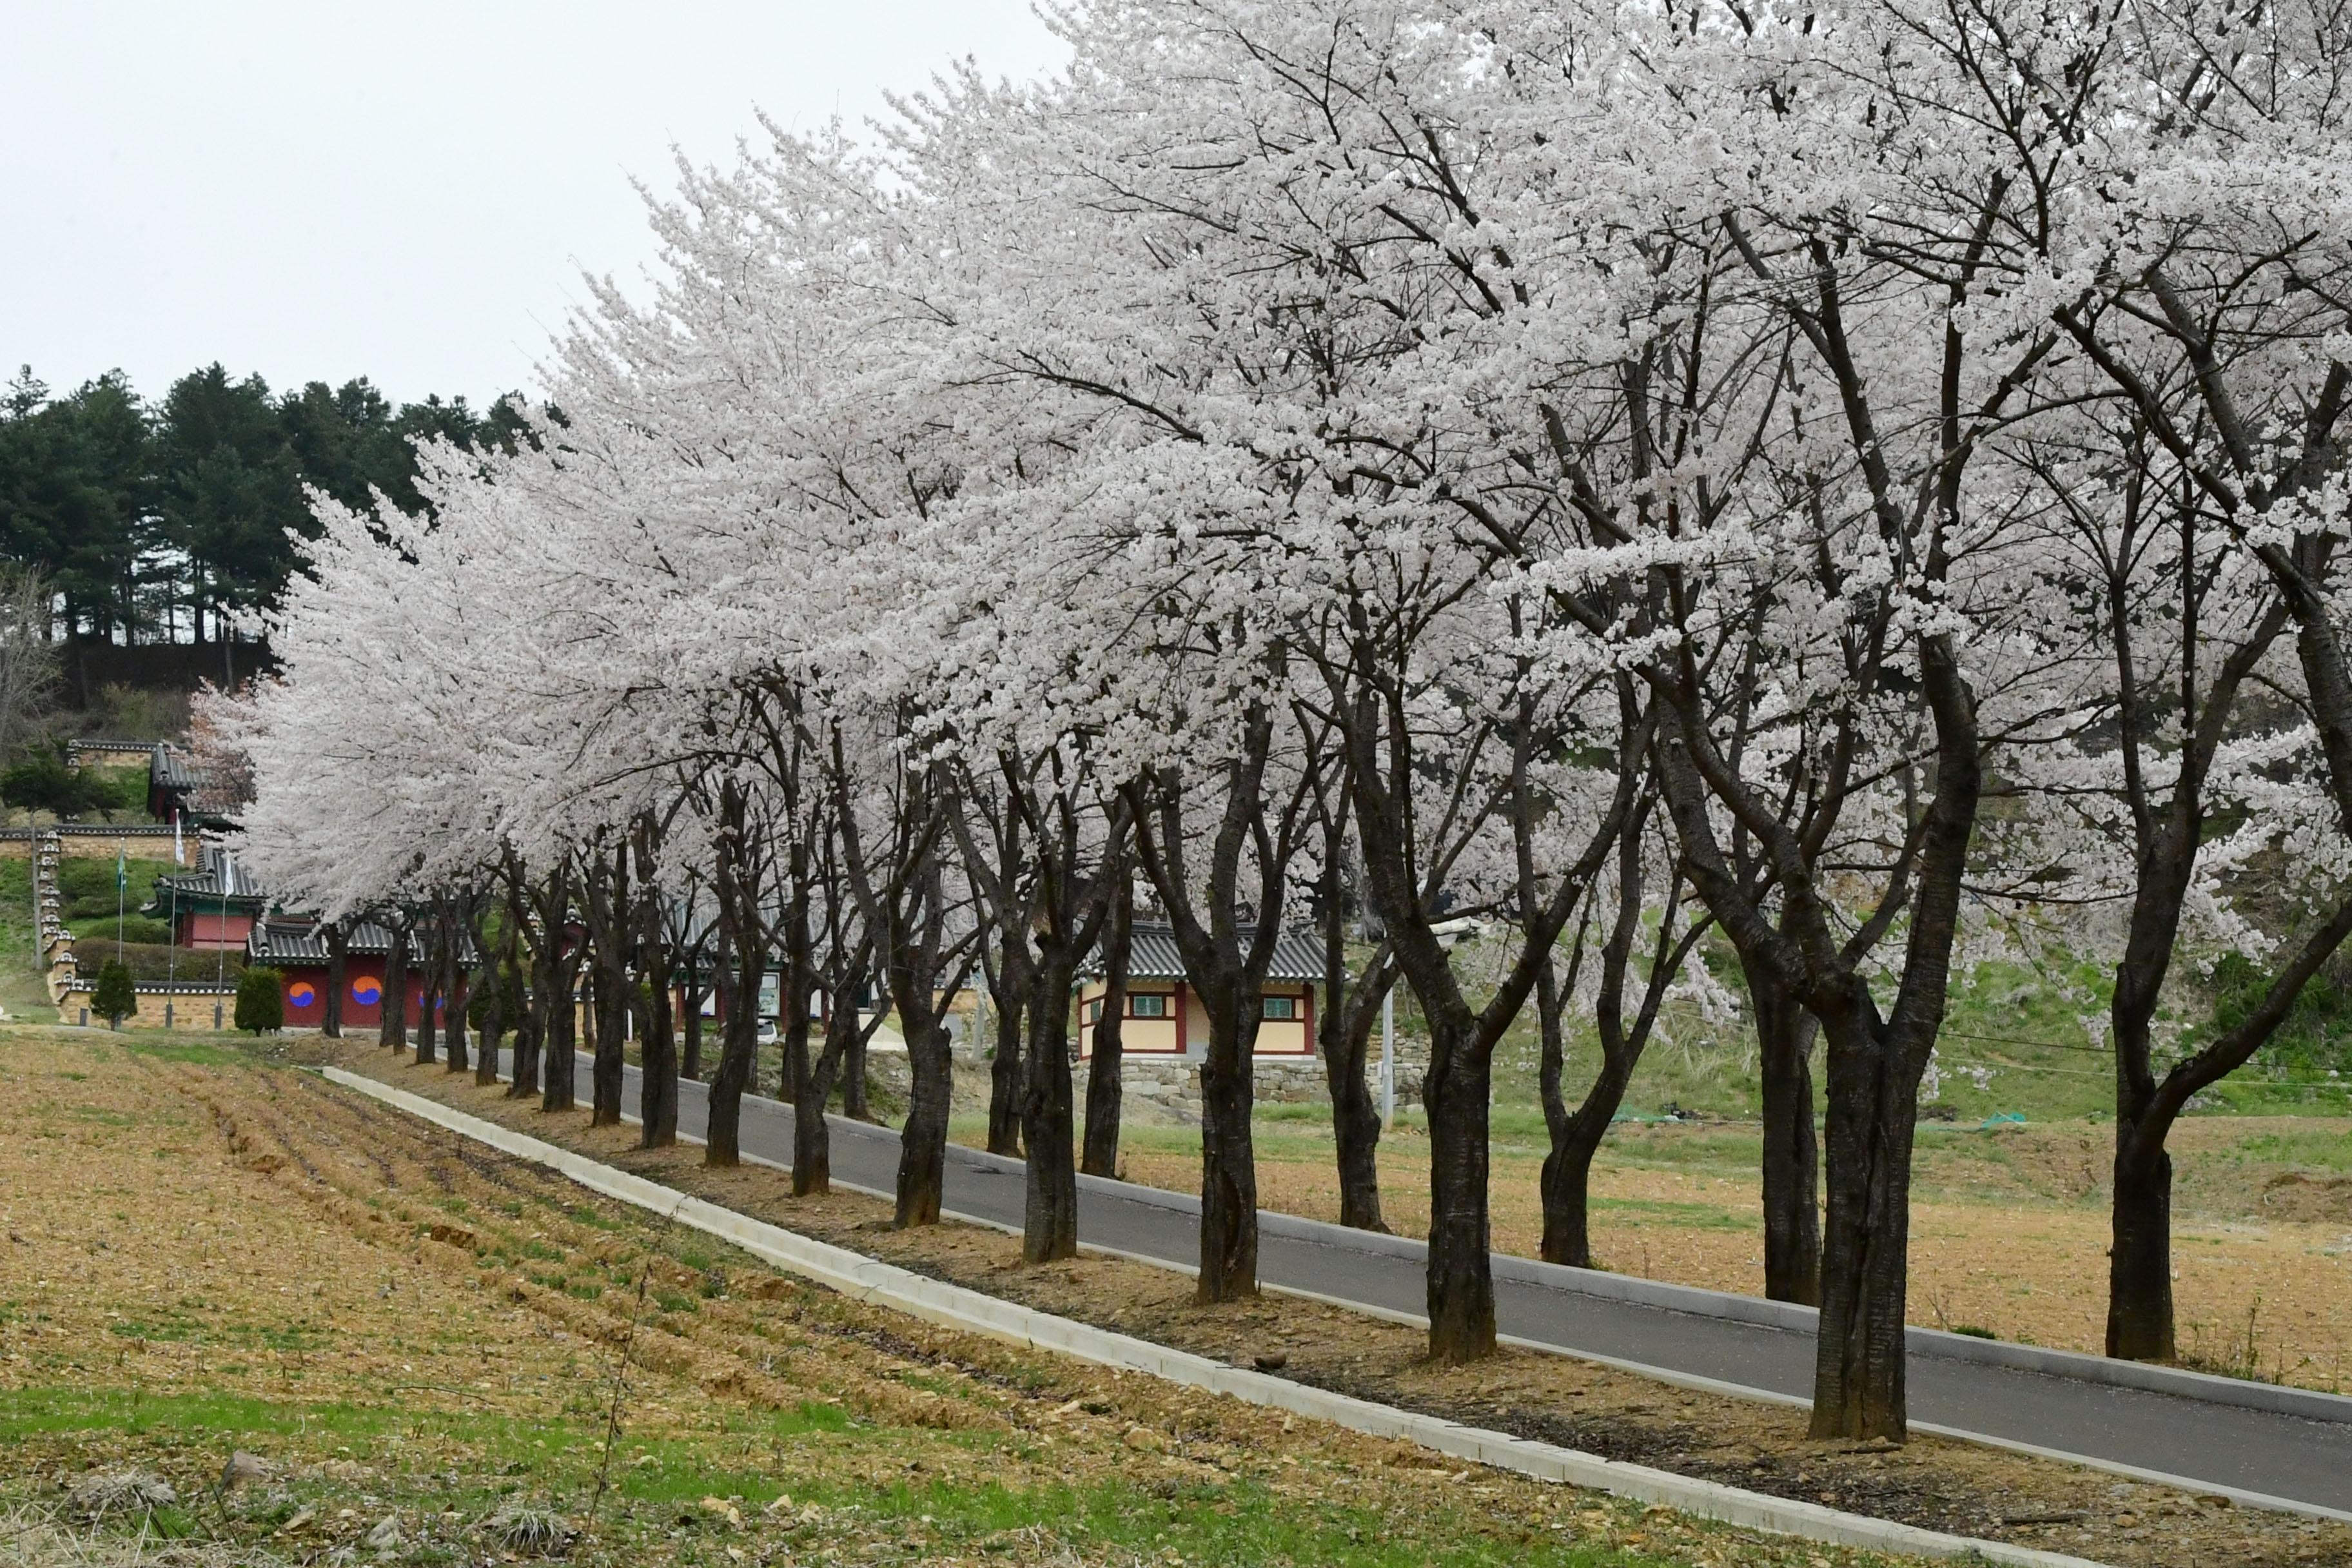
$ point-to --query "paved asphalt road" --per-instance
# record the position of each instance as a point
(2277, 1455)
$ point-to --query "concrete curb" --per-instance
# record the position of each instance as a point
(953, 1307)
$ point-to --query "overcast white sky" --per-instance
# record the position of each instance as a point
(327, 189)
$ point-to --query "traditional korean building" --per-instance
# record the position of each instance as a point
(296, 946)
(1164, 1015)
(215, 906)
(186, 794)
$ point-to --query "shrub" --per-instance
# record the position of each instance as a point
(130, 928)
(151, 962)
(42, 782)
(260, 1001)
(115, 998)
(86, 884)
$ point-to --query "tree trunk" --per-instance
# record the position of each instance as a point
(609, 1080)
(689, 1057)
(657, 1099)
(1566, 1182)
(923, 1143)
(1049, 1229)
(557, 1049)
(456, 993)
(812, 1080)
(1356, 1126)
(524, 1079)
(1461, 1283)
(1792, 1227)
(338, 953)
(494, 1025)
(657, 1102)
(1007, 1084)
(738, 1043)
(529, 1006)
(392, 1016)
(1228, 1158)
(1343, 1031)
(1858, 1373)
(428, 1002)
(853, 1071)
(1101, 1155)
(737, 969)
(2139, 1258)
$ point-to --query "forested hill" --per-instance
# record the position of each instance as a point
(151, 517)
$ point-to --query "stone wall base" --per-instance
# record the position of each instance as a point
(1168, 1088)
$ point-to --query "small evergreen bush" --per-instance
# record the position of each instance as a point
(260, 1001)
(115, 998)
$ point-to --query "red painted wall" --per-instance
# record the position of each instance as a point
(209, 931)
(362, 993)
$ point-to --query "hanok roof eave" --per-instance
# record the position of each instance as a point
(1152, 954)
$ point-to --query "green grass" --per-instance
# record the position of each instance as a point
(653, 1509)
(85, 885)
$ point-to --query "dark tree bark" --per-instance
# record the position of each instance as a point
(1791, 1174)
(1576, 1135)
(693, 958)
(657, 1102)
(1099, 1156)
(453, 990)
(489, 980)
(918, 955)
(338, 955)
(553, 1002)
(494, 980)
(1227, 965)
(1343, 1032)
(540, 932)
(812, 1083)
(1047, 908)
(392, 1011)
(689, 1056)
(739, 965)
(1049, 1229)
(904, 905)
(609, 909)
(1008, 991)
(1404, 888)
(811, 1166)
(428, 1002)
(738, 977)
(853, 1103)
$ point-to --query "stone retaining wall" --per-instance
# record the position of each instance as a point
(1168, 1088)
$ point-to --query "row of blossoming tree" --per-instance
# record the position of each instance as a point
(1852, 486)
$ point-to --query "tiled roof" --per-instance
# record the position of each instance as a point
(217, 875)
(275, 940)
(174, 772)
(278, 940)
(1152, 954)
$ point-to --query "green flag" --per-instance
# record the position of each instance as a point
(121, 867)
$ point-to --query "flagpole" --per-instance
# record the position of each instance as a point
(121, 882)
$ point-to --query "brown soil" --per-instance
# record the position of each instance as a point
(178, 1229)
(1932, 1482)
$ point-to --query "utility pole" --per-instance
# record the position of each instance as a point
(1388, 1056)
